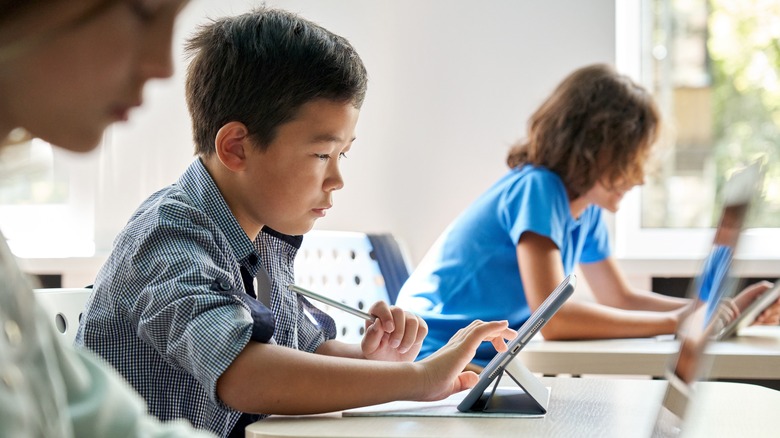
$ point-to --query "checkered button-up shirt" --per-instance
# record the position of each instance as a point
(170, 310)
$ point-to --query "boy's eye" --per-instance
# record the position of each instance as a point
(326, 157)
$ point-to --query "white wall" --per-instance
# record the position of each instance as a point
(452, 84)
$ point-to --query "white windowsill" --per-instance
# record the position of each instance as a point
(75, 271)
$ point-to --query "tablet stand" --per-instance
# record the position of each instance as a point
(533, 399)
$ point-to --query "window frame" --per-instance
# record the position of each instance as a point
(632, 242)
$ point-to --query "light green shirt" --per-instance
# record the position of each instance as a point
(48, 389)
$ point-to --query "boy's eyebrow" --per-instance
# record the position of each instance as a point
(329, 138)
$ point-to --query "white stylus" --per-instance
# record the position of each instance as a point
(331, 302)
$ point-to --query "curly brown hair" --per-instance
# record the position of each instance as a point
(598, 125)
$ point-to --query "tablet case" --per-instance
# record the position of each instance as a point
(483, 398)
(533, 400)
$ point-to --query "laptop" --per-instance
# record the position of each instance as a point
(709, 289)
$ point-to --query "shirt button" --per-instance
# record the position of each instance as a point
(12, 332)
(223, 284)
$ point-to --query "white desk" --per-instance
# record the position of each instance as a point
(578, 408)
(754, 354)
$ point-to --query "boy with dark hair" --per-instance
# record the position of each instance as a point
(274, 100)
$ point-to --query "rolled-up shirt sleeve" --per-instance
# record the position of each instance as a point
(193, 312)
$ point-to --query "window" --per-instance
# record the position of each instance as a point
(714, 68)
(47, 201)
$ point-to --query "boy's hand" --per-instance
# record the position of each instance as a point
(444, 373)
(395, 335)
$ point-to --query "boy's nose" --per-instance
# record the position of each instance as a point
(334, 181)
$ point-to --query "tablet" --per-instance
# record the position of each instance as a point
(749, 315)
(478, 399)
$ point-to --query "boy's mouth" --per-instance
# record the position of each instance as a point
(320, 211)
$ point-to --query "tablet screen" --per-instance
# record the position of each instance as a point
(534, 323)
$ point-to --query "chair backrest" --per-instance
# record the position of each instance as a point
(64, 307)
(393, 262)
(357, 269)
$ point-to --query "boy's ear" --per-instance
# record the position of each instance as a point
(231, 144)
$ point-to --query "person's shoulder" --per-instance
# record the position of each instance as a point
(540, 174)
(169, 203)
(171, 232)
(537, 177)
(170, 212)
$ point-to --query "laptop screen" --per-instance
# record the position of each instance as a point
(709, 289)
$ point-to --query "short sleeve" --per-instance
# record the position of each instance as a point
(536, 202)
(596, 247)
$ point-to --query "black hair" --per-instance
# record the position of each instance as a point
(260, 67)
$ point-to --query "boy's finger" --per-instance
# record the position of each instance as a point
(480, 331)
(383, 312)
(399, 326)
(411, 326)
(373, 337)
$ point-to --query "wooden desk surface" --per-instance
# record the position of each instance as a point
(754, 354)
(578, 408)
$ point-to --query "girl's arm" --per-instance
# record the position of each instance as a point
(540, 265)
(610, 288)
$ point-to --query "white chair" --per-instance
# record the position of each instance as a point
(357, 269)
(64, 307)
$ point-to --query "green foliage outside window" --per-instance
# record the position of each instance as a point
(744, 50)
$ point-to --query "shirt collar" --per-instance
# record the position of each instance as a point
(205, 195)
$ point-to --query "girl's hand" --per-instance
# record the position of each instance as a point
(770, 315)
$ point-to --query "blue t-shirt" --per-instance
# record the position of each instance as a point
(471, 272)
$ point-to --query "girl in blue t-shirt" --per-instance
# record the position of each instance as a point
(587, 146)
